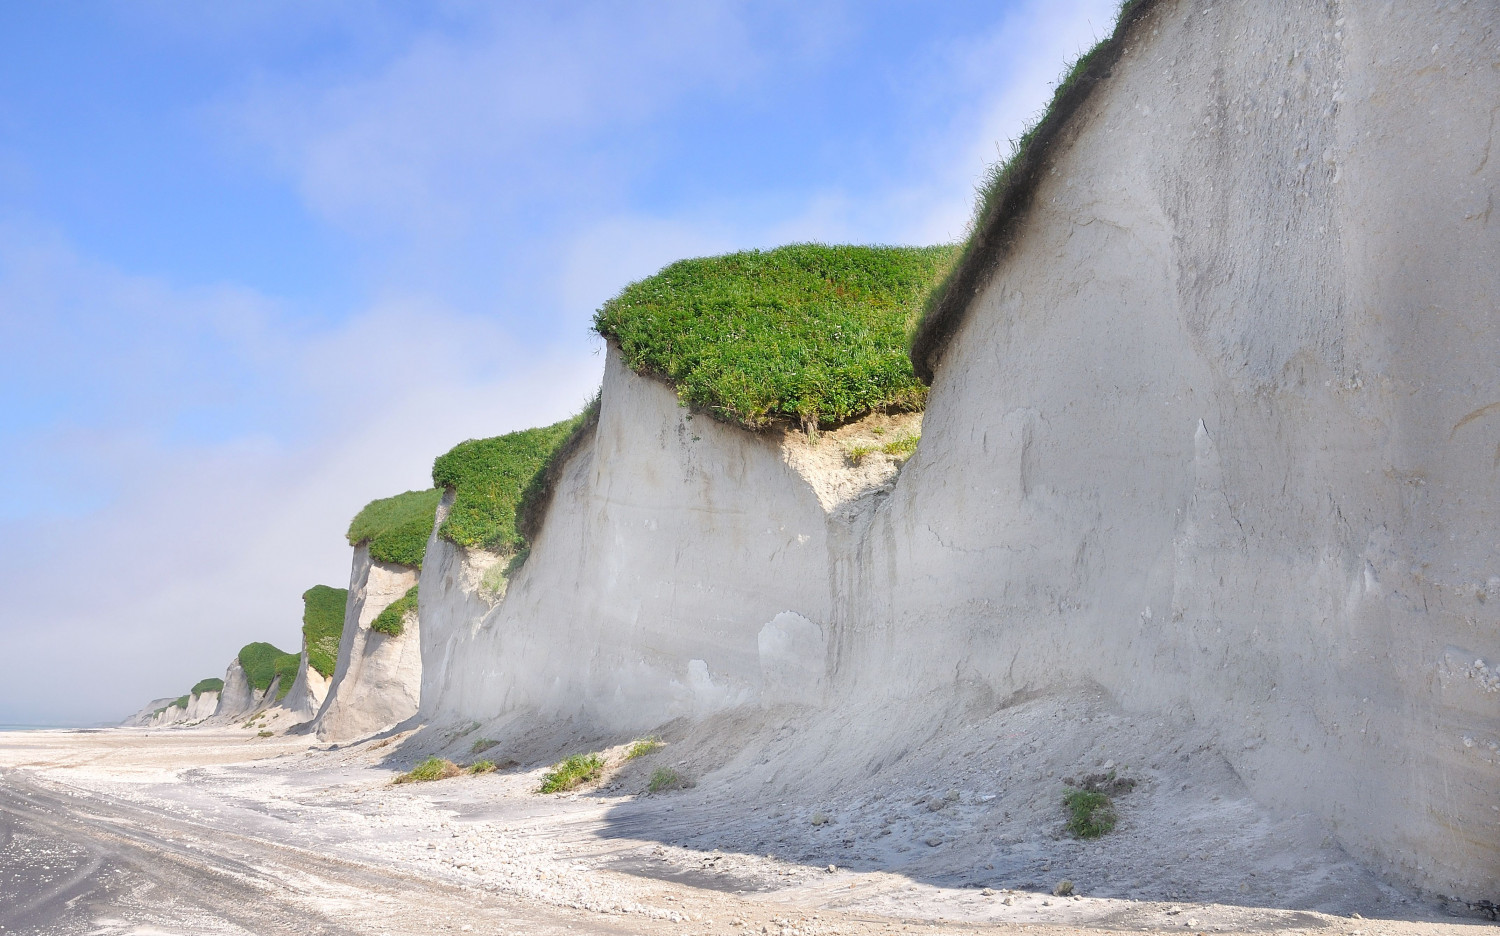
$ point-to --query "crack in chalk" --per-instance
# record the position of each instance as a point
(1482, 411)
(1006, 547)
(1488, 142)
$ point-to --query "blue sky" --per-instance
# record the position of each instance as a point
(261, 262)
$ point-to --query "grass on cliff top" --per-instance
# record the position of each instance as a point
(212, 684)
(177, 703)
(323, 625)
(812, 334)
(262, 663)
(397, 527)
(392, 621)
(491, 478)
(1005, 182)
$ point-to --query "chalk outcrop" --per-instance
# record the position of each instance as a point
(1238, 456)
(671, 543)
(378, 680)
(1215, 430)
(239, 699)
(305, 699)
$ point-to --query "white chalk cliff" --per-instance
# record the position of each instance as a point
(672, 541)
(378, 678)
(1218, 431)
(238, 699)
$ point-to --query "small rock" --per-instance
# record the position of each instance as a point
(1063, 888)
(933, 841)
(951, 796)
(1008, 901)
(819, 819)
(1192, 921)
(986, 893)
(1355, 916)
(832, 868)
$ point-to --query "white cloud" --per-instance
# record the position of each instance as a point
(203, 545)
(508, 104)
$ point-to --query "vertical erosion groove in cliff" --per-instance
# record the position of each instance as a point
(1006, 193)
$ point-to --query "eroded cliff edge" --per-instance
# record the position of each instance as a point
(1213, 433)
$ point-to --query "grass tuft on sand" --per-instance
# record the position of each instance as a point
(572, 772)
(1091, 813)
(433, 768)
(665, 778)
(640, 747)
(809, 334)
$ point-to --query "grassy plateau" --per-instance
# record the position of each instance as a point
(262, 663)
(490, 479)
(809, 334)
(212, 684)
(323, 625)
(397, 527)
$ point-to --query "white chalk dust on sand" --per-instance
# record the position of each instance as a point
(971, 837)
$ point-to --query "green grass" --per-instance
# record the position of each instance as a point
(903, 447)
(397, 527)
(323, 625)
(899, 449)
(1091, 814)
(576, 770)
(262, 663)
(665, 778)
(1005, 190)
(810, 334)
(433, 768)
(482, 745)
(483, 767)
(392, 621)
(490, 477)
(181, 703)
(640, 747)
(212, 684)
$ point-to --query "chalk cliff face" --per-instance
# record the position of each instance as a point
(1221, 431)
(148, 712)
(1218, 433)
(201, 705)
(238, 699)
(378, 679)
(305, 699)
(672, 542)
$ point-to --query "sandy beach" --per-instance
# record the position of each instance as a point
(122, 831)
